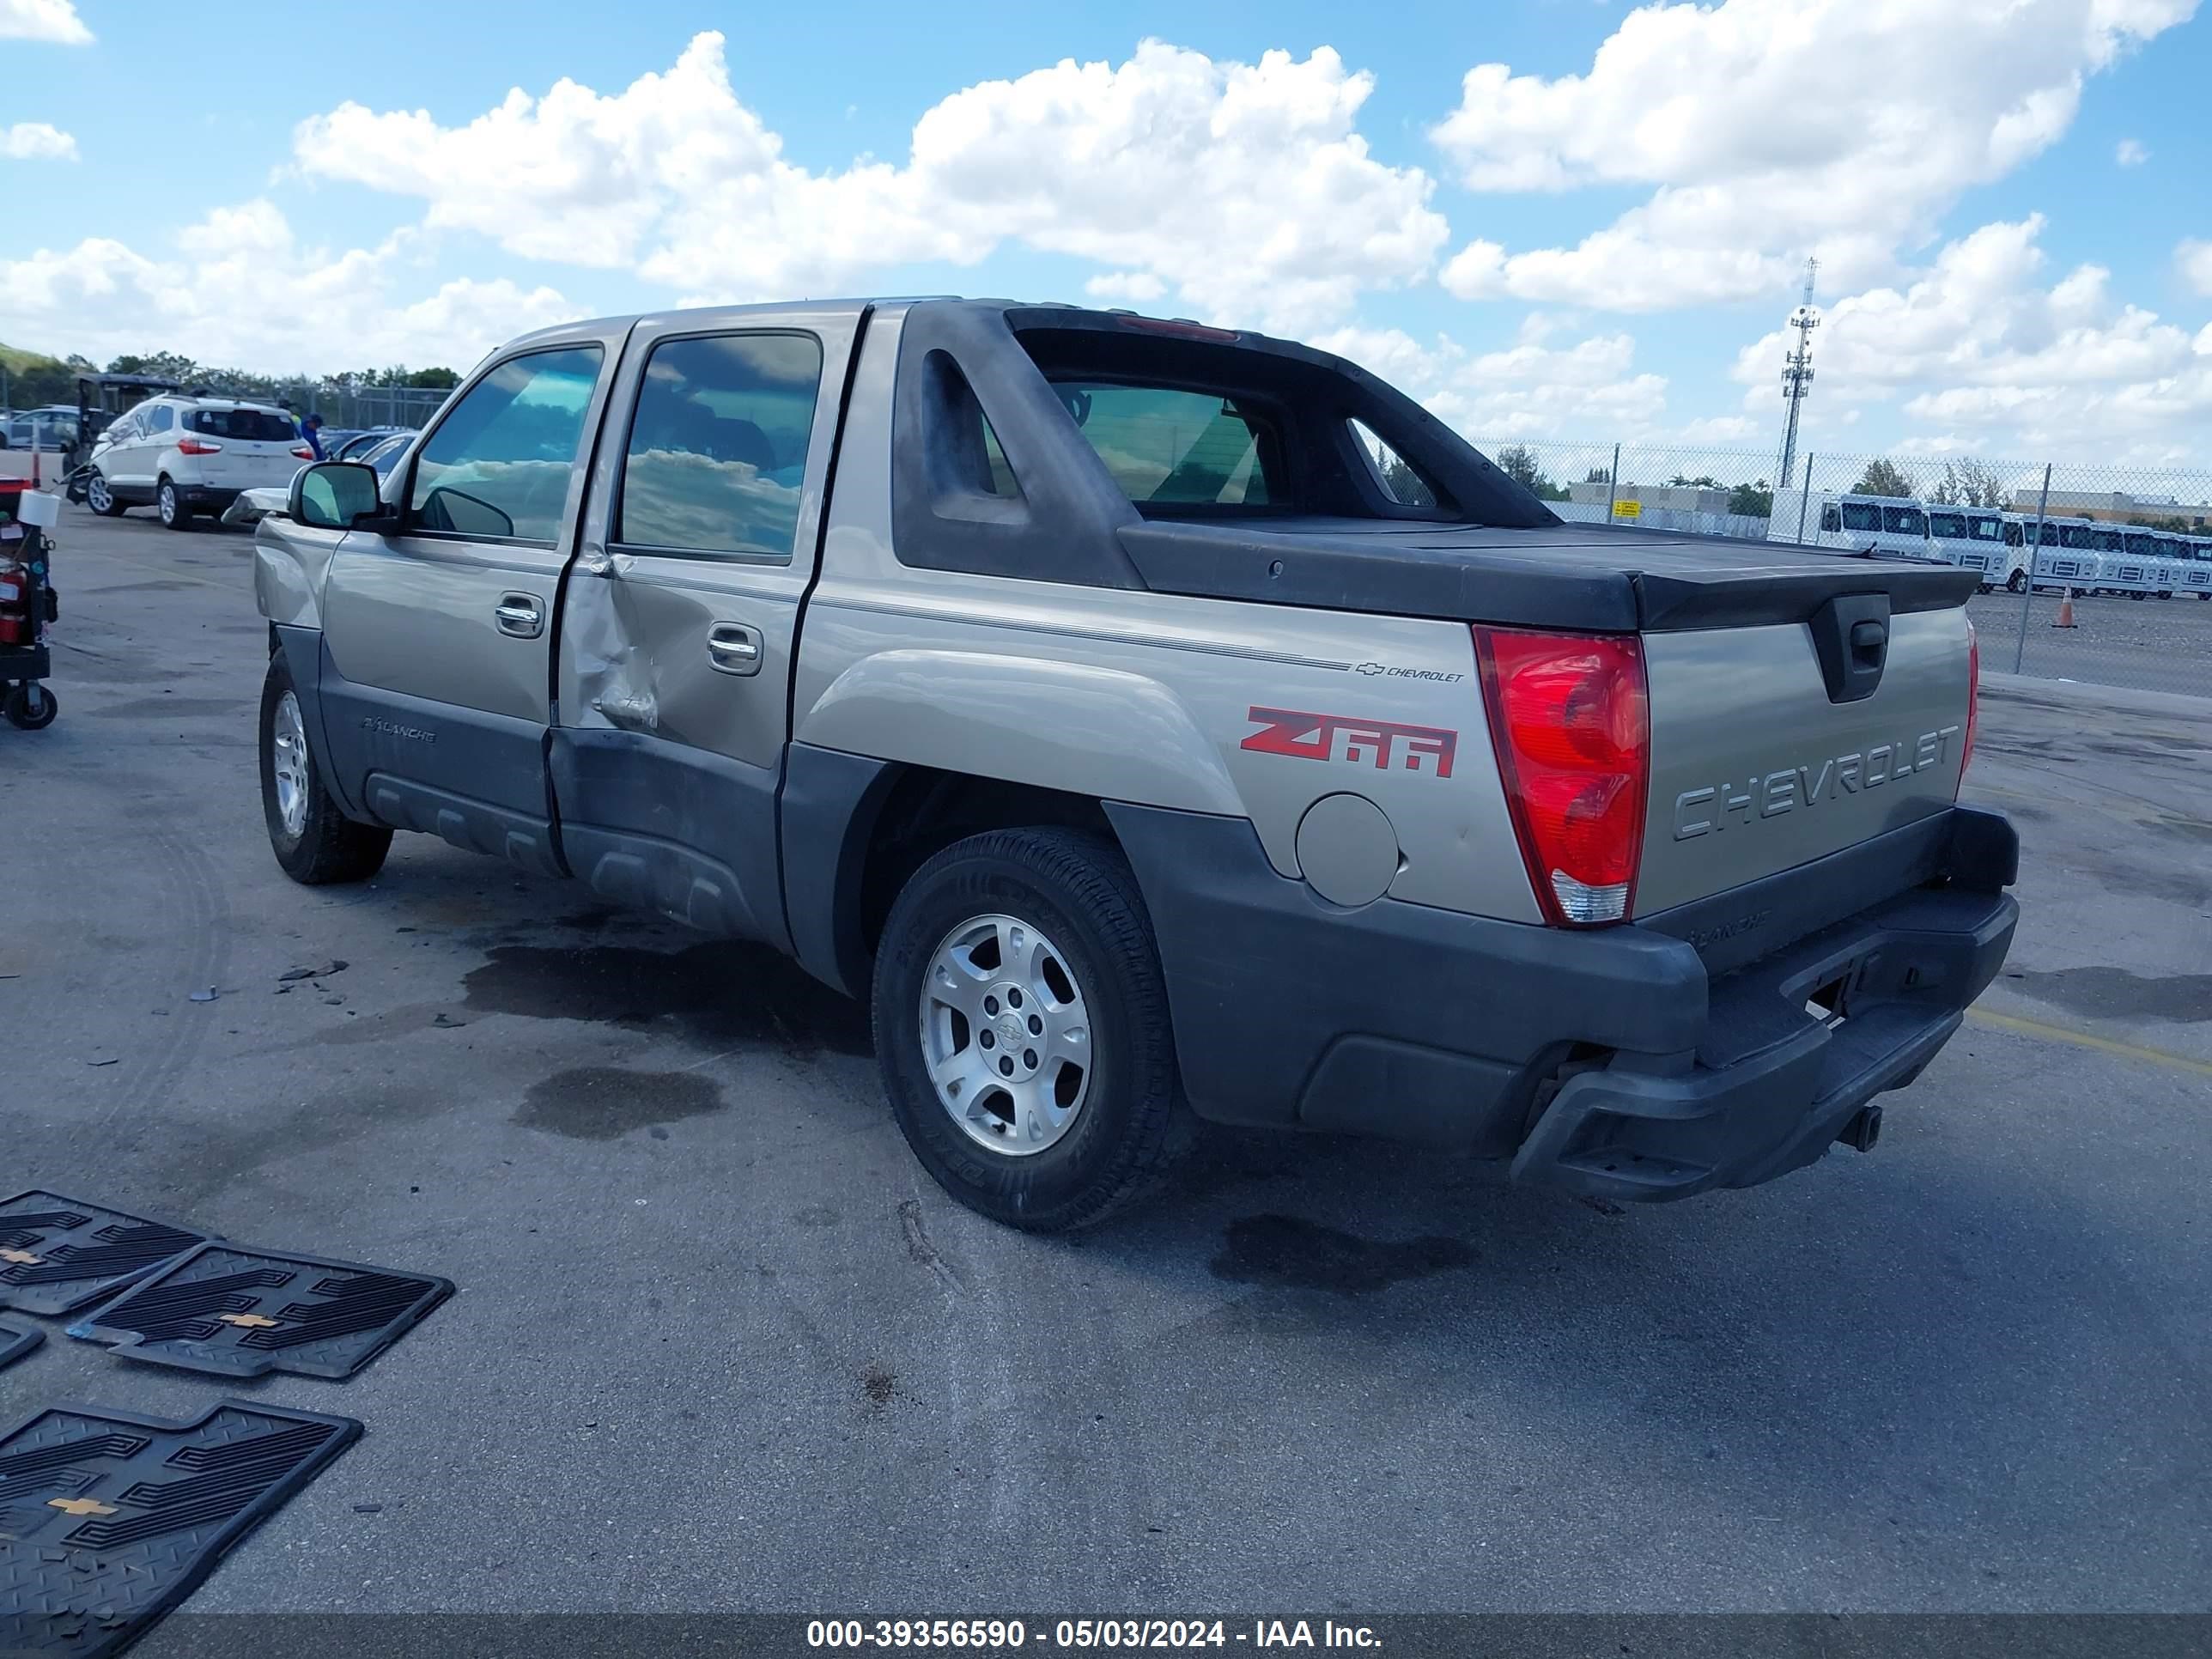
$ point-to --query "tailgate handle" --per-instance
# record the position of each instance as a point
(1850, 635)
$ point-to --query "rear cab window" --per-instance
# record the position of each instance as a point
(1189, 424)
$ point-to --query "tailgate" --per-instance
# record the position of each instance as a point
(1756, 767)
(249, 464)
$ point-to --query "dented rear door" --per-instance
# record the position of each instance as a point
(680, 612)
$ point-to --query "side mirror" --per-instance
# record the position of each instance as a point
(333, 496)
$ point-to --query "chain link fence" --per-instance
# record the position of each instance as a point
(2099, 574)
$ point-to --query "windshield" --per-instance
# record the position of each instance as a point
(1905, 520)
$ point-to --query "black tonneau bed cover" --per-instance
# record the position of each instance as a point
(1584, 578)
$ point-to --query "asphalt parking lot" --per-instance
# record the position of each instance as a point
(718, 1343)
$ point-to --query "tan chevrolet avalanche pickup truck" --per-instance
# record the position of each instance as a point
(1155, 722)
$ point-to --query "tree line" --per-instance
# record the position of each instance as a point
(33, 379)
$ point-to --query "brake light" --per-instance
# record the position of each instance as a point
(1570, 720)
(1181, 327)
(303, 452)
(1973, 701)
(197, 446)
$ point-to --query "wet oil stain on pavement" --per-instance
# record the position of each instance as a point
(605, 1103)
(2115, 993)
(718, 993)
(1284, 1251)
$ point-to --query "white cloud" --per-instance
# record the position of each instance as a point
(241, 293)
(1525, 390)
(2195, 258)
(54, 21)
(35, 141)
(2131, 153)
(1246, 190)
(1770, 129)
(1977, 345)
(1125, 288)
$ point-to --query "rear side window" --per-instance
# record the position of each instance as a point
(498, 466)
(1858, 515)
(718, 449)
(261, 426)
(1400, 481)
(1170, 446)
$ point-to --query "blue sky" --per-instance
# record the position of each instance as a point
(1596, 237)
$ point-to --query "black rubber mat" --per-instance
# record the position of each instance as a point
(108, 1520)
(16, 1340)
(242, 1313)
(59, 1254)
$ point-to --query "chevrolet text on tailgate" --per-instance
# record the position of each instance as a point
(1155, 722)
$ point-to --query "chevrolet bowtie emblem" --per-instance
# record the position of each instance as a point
(21, 1258)
(79, 1506)
(248, 1322)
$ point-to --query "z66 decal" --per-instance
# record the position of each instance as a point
(1345, 738)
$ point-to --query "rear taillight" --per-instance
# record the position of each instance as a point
(1973, 701)
(1571, 721)
(197, 446)
(303, 452)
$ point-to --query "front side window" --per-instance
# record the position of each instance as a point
(718, 449)
(2013, 537)
(1170, 446)
(1859, 515)
(1829, 519)
(161, 418)
(499, 465)
(1905, 520)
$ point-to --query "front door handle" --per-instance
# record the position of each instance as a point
(733, 648)
(521, 615)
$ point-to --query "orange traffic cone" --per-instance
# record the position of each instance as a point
(2065, 610)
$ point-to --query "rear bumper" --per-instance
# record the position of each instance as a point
(1643, 1062)
(211, 498)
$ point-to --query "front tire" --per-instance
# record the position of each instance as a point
(315, 843)
(99, 496)
(2016, 581)
(30, 707)
(1022, 1028)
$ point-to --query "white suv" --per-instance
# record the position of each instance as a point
(186, 456)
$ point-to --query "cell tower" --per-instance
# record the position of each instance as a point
(1798, 372)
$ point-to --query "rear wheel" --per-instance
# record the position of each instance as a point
(169, 503)
(315, 843)
(101, 498)
(1021, 1025)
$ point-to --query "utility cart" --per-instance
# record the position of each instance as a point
(26, 604)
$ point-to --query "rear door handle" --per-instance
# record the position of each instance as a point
(521, 615)
(733, 648)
